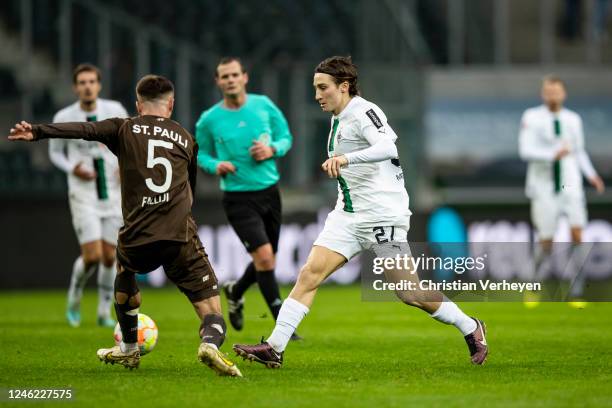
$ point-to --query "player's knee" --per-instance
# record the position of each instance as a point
(91, 260)
(265, 264)
(108, 259)
(264, 258)
(108, 254)
(546, 246)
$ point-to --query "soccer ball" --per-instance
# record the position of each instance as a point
(147, 334)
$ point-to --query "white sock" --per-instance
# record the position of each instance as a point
(127, 347)
(449, 313)
(542, 263)
(291, 314)
(78, 280)
(106, 283)
(576, 262)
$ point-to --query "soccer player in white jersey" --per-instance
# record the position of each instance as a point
(551, 141)
(372, 208)
(93, 193)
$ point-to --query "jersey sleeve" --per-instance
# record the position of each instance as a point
(584, 162)
(57, 155)
(57, 150)
(379, 135)
(282, 139)
(205, 140)
(193, 169)
(105, 131)
(382, 147)
(530, 148)
(373, 126)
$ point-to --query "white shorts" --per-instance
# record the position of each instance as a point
(90, 226)
(345, 234)
(546, 210)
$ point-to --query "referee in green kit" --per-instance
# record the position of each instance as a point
(239, 138)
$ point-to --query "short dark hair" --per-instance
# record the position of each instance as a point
(85, 68)
(342, 70)
(227, 60)
(151, 87)
(553, 79)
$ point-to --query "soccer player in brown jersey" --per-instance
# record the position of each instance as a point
(158, 166)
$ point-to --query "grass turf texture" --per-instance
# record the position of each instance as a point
(354, 354)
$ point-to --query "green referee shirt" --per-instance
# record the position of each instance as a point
(225, 134)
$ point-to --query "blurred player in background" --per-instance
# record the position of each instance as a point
(240, 137)
(371, 213)
(158, 167)
(551, 141)
(93, 193)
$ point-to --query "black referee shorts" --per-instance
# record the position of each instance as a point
(255, 216)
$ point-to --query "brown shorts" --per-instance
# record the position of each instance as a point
(185, 263)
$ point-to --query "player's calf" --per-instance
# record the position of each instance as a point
(212, 332)
(212, 329)
(127, 302)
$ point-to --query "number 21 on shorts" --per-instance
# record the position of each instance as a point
(384, 234)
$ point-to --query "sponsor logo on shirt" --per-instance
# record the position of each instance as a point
(374, 118)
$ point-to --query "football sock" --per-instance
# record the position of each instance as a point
(576, 263)
(246, 280)
(106, 280)
(127, 347)
(291, 314)
(449, 313)
(542, 262)
(269, 289)
(212, 329)
(127, 316)
(80, 274)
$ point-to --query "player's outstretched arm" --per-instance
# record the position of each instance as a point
(105, 131)
(21, 131)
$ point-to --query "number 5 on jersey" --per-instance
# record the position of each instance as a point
(153, 161)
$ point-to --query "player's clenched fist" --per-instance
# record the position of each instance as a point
(332, 165)
(21, 131)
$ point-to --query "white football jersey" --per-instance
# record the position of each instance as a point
(542, 134)
(373, 191)
(104, 192)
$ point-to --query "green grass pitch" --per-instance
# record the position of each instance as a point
(354, 354)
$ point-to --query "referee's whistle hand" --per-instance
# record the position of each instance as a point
(260, 151)
(224, 168)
